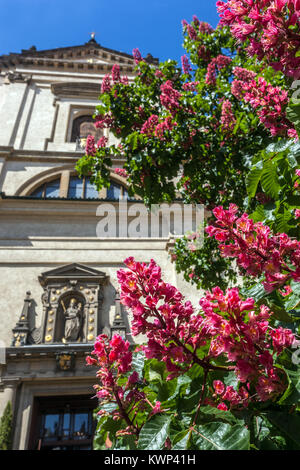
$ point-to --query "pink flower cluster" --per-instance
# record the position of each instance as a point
(150, 125)
(114, 359)
(228, 120)
(190, 86)
(102, 142)
(256, 250)
(247, 340)
(268, 101)
(90, 148)
(169, 97)
(103, 121)
(205, 28)
(192, 32)
(153, 127)
(204, 53)
(228, 326)
(115, 73)
(166, 125)
(106, 85)
(201, 26)
(218, 63)
(121, 172)
(186, 66)
(272, 27)
(137, 56)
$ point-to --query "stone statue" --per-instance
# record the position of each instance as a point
(73, 318)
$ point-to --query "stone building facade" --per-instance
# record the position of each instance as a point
(58, 287)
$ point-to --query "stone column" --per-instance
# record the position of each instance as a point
(8, 389)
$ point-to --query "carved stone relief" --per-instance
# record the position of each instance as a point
(72, 300)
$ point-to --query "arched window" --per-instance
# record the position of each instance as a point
(78, 188)
(47, 190)
(84, 126)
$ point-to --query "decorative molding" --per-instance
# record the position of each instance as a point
(72, 300)
(118, 326)
(21, 330)
(75, 89)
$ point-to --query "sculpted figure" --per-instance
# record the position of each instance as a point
(73, 318)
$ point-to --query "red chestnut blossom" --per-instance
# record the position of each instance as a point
(169, 97)
(190, 86)
(287, 291)
(103, 121)
(191, 32)
(186, 67)
(204, 53)
(222, 407)
(228, 120)
(268, 101)
(272, 28)
(90, 148)
(219, 387)
(114, 358)
(121, 172)
(217, 63)
(137, 55)
(256, 250)
(106, 84)
(228, 325)
(244, 74)
(149, 126)
(102, 142)
(166, 125)
(205, 28)
(115, 73)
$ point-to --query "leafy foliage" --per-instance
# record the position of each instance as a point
(197, 134)
(6, 428)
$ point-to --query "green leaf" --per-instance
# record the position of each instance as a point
(154, 433)
(180, 441)
(253, 179)
(288, 425)
(292, 394)
(257, 292)
(209, 414)
(269, 180)
(221, 436)
(292, 301)
(138, 361)
(293, 114)
(154, 371)
(280, 146)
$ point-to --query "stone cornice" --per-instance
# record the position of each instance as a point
(89, 56)
(45, 156)
(46, 351)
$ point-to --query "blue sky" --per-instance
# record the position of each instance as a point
(152, 26)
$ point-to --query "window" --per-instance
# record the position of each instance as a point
(115, 191)
(74, 187)
(63, 423)
(82, 188)
(83, 126)
(47, 190)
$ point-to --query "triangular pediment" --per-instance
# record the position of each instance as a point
(74, 271)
